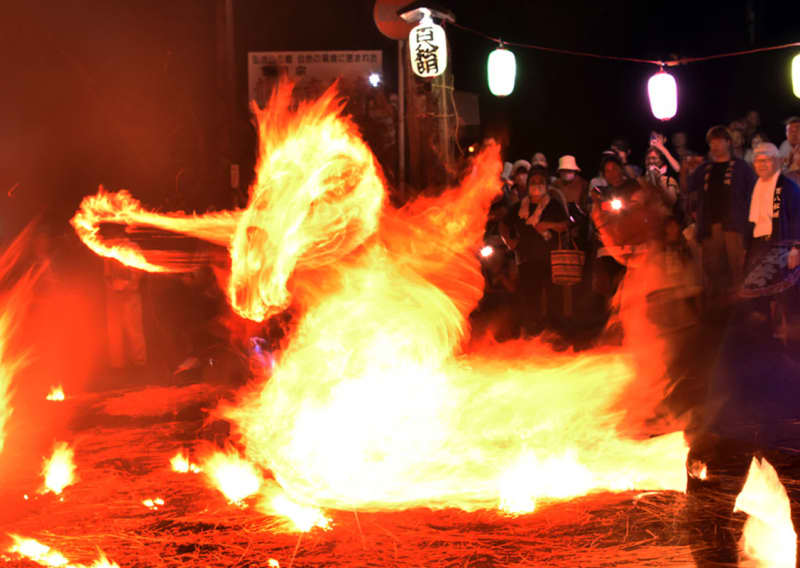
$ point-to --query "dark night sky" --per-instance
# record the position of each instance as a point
(126, 93)
(564, 104)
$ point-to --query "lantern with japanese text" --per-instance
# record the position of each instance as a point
(663, 92)
(502, 70)
(796, 75)
(427, 44)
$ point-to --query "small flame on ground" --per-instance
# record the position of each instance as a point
(698, 470)
(272, 563)
(59, 470)
(299, 518)
(36, 551)
(487, 251)
(768, 538)
(44, 555)
(153, 503)
(181, 464)
(56, 394)
(236, 478)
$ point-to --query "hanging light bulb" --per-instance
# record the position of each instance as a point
(502, 70)
(796, 75)
(427, 44)
(663, 92)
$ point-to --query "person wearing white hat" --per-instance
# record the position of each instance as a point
(574, 188)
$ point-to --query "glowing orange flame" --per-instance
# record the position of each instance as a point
(122, 208)
(13, 303)
(769, 539)
(56, 394)
(698, 469)
(59, 470)
(374, 402)
(181, 464)
(236, 478)
(45, 556)
(36, 551)
(153, 503)
(299, 518)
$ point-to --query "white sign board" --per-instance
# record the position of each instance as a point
(311, 71)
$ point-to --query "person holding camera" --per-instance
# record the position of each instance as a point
(657, 175)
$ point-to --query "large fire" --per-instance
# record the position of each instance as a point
(376, 403)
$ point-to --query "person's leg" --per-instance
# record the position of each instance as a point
(134, 328)
(114, 325)
(714, 262)
(735, 253)
(531, 282)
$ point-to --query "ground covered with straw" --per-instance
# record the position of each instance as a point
(125, 461)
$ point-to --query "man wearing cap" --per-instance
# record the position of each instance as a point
(792, 141)
(721, 187)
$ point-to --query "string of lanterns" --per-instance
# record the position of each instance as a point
(427, 45)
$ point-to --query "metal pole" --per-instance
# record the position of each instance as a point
(401, 117)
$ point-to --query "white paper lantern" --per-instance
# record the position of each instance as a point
(663, 92)
(502, 70)
(796, 75)
(427, 45)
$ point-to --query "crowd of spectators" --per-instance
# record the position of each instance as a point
(717, 210)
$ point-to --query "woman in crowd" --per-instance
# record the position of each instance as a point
(533, 230)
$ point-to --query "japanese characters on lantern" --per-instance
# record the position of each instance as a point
(427, 44)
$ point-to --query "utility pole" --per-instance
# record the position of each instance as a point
(226, 91)
(430, 113)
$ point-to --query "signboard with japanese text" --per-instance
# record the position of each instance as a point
(311, 71)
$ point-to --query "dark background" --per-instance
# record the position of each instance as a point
(131, 94)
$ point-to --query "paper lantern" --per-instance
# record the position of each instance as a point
(502, 70)
(796, 75)
(427, 44)
(663, 92)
